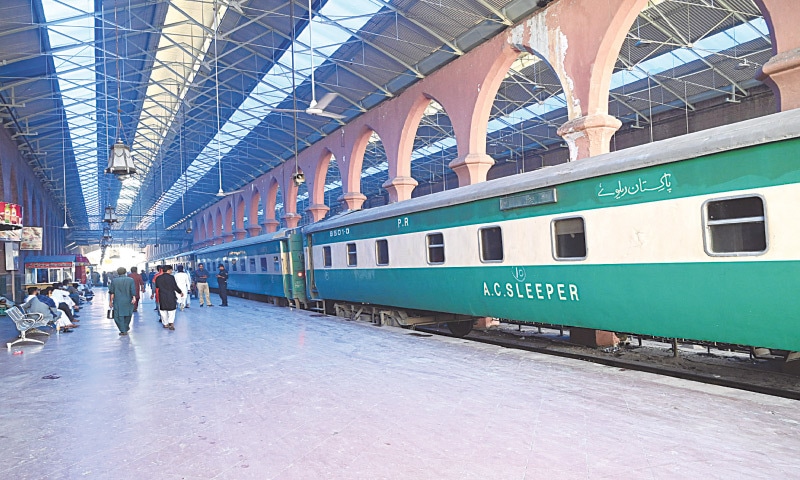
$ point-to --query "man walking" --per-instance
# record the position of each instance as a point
(167, 292)
(137, 280)
(201, 279)
(185, 284)
(122, 291)
(222, 280)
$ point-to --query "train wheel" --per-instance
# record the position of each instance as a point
(460, 329)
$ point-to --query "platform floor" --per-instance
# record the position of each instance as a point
(257, 391)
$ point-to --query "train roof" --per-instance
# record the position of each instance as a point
(280, 234)
(770, 128)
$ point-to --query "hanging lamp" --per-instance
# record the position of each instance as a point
(120, 160)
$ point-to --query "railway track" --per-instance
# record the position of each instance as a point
(738, 372)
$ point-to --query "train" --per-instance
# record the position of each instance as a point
(693, 237)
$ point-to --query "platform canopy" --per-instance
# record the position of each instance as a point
(191, 87)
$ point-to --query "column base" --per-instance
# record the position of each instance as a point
(400, 188)
(472, 168)
(253, 230)
(271, 225)
(318, 211)
(352, 200)
(239, 234)
(589, 135)
(292, 219)
(782, 74)
(228, 237)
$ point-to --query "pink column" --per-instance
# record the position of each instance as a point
(468, 102)
(782, 71)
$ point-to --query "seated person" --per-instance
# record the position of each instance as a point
(34, 305)
(54, 296)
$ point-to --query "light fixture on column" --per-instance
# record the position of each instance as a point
(120, 160)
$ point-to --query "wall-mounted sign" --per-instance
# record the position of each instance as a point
(10, 216)
(11, 235)
(12, 256)
(31, 238)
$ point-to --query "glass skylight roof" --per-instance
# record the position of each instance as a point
(274, 87)
(71, 35)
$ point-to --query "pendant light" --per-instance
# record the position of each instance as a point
(120, 160)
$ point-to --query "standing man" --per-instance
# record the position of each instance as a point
(201, 279)
(222, 280)
(151, 279)
(153, 292)
(137, 280)
(122, 292)
(185, 284)
(167, 292)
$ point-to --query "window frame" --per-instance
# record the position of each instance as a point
(707, 230)
(377, 252)
(554, 239)
(327, 257)
(354, 253)
(428, 246)
(480, 244)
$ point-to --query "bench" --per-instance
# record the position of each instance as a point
(26, 323)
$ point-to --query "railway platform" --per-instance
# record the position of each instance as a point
(263, 392)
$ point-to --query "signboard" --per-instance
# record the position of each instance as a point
(31, 238)
(48, 265)
(10, 216)
(540, 197)
(11, 235)
(12, 256)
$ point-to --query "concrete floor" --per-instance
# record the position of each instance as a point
(256, 391)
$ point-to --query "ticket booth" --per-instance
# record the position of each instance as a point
(42, 271)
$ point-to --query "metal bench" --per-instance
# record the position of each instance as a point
(26, 323)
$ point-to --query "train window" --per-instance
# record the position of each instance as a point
(491, 242)
(352, 255)
(233, 264)
(435, 243)
(276, 260)
(569, 239)
(227, 267)
(736, 226)
(382, 252)
(326, 256)
(252, 265)
(264, 265)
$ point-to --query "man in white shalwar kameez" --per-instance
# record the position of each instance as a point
(184, 282)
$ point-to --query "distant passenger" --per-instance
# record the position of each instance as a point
(137, 281)
(222, 280)
(201, 279)
(167, 292)
(122, 293)
(185, 284)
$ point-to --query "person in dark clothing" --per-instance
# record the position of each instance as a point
(167, 292)
(222, 280)
(153, 292)
(151, 279)
(122, 298)
(137, 281)
(201, 280)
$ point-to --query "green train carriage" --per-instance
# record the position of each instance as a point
(692, 237)
(267, 266)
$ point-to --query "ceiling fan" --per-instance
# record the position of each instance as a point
(314, 107)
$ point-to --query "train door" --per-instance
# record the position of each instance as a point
(312, 285)
(285, 270)
(297, 267)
